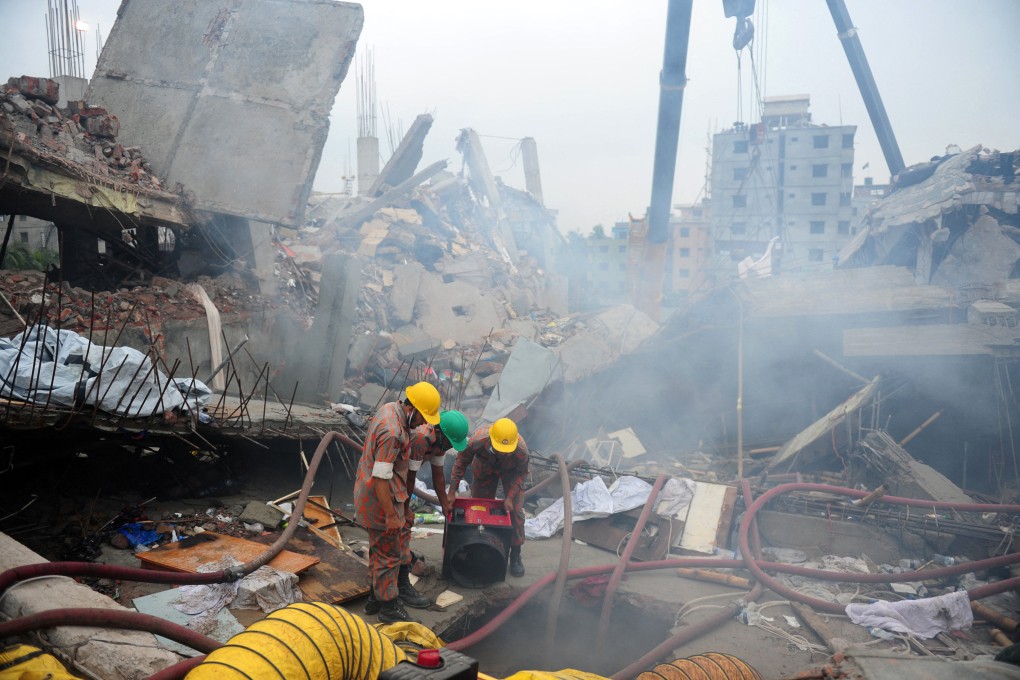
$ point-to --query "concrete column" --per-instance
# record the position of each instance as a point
(72, 89)
(532, 175)
(264, 256)
(368, 163)
(321, 360)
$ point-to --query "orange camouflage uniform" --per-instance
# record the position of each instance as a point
(424, 449)
(386, 452)
(491, 467)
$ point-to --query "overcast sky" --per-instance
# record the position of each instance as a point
(582, 79)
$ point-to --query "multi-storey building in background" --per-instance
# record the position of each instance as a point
(613, 258)
(784, 177)
(691, 250)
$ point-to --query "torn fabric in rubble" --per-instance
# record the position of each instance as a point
(924, 618)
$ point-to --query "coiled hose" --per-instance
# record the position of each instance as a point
(711, 666)
(303, 640)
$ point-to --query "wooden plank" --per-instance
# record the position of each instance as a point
(708, 515)
(172, 557)
(323, 518)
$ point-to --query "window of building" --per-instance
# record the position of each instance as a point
(740, 146)
(817, 226)
(821, 141)
(844, 198)
(23, 218)
(697, 213)
(848, 141)
(738, 228)
(792, 195)
(846, 170)
(815, 254)
(818, 198)
(623, 267)
(684, 273)
(739, 173)
(820, 170)
(603, 249)
(793, 167)
(685, 252)
(604, 266)
(685, 232)
(843, 228)
(740, 201)
(621, 249)
(793, 139)
(23, 236)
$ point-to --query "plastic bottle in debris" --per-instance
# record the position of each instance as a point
(429, 518)
(944, 560)
(881, 634)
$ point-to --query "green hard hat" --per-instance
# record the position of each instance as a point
(454, 425)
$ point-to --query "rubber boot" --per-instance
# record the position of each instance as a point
(372, 606)
(393, 612)
(516, 565)
(409, 595)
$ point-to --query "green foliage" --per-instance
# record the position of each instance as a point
(598, 231)
(20, 257)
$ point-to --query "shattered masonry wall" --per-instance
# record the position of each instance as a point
(231, 99)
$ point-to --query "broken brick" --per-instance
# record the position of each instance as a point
(37, 88)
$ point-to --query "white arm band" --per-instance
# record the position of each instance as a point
(382, 470)
(439, 460)
(413, 465)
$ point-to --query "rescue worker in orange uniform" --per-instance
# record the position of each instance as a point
(429, 443)
(380, 496)
(496, 453)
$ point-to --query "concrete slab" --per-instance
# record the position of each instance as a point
(231, 100)
(457, 311)
(405, 159)
(528, 370)
(108, 654)
(161, 604)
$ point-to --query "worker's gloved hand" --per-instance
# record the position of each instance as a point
(508, 505)
(393, 523)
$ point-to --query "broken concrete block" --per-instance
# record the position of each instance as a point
(101, 125)
(370, 394)
(266, 515)
(404, 294)
(418, 349)
(361, 350)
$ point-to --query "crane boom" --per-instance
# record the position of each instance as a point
(866, 83)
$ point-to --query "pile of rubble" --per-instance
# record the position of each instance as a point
(82, 135)
(143, 307)
(441, 298)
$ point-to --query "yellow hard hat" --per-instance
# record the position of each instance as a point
(503, 435)
(425, 397)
